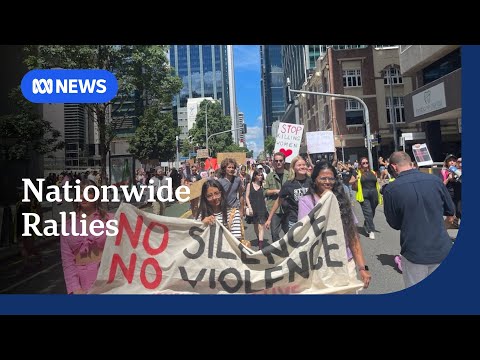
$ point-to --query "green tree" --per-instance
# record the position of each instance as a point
(142, 72)
(249, 154)
(235, 148)
(155, 136)
(261, 156)
(217, 122)
(27, 131)
(269, 144)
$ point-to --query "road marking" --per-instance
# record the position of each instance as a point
(186, 215)
(29, 278)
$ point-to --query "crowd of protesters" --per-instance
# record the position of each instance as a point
(273, 196)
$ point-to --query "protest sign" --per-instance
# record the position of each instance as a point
(155, 254)
(240, 157)
(289, 137)
(319, 142)
(421, 154)
(202, 153)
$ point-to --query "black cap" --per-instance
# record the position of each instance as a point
(449, 156)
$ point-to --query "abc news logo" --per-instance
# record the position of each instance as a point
(69, 86)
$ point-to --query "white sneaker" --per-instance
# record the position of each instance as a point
(372, 235)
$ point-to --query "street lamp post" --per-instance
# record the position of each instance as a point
(393, 117)
(222, 132)
(206, 125)
(365, 111)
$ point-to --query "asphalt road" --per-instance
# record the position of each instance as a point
(44, 274)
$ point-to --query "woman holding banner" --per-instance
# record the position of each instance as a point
(213, 205)
(81, 255)
(324, 178)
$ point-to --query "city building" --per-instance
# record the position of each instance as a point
(272, 86)
(435, 102)
(370, 73)
(206, 72)
(299, 61)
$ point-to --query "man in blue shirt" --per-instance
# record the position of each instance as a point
(415, 204)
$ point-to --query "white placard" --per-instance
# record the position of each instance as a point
(289, 137)
(320, 142)
(421, 154)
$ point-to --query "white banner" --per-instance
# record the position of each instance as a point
(161, 255)
(319, 142)
(289, 137)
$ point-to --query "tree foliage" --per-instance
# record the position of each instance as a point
(261, 156)
(26, 130)
(143, 74)
(155, 136)
(216, 122)
(269, 145)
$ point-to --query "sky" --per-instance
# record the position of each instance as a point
(249, 98)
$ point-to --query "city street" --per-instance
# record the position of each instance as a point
(45, 275)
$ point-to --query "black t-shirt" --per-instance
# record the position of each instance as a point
(290, 194)
(369, 181)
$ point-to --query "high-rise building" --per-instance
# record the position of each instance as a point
(206, 71)
(272, 84)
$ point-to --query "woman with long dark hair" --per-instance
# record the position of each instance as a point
(324, 178)
(213, 205)
(368, 195)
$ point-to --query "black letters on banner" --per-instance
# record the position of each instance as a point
(291, 240)
(221, 254)
(328, 247)
(319, 264)
(201, 244)
(248, 283)
(272, 249)
(294, 268)
(193, 283)
(228, 288)
(269, 280)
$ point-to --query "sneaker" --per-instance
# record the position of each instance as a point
(372, 235)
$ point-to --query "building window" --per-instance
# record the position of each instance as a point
(397, 107)
(394, 74)
(352, 78)
(353, 113)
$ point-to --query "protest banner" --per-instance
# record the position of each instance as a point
(289, 137)
(155, 254)
(319, 142)
(240, 157)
